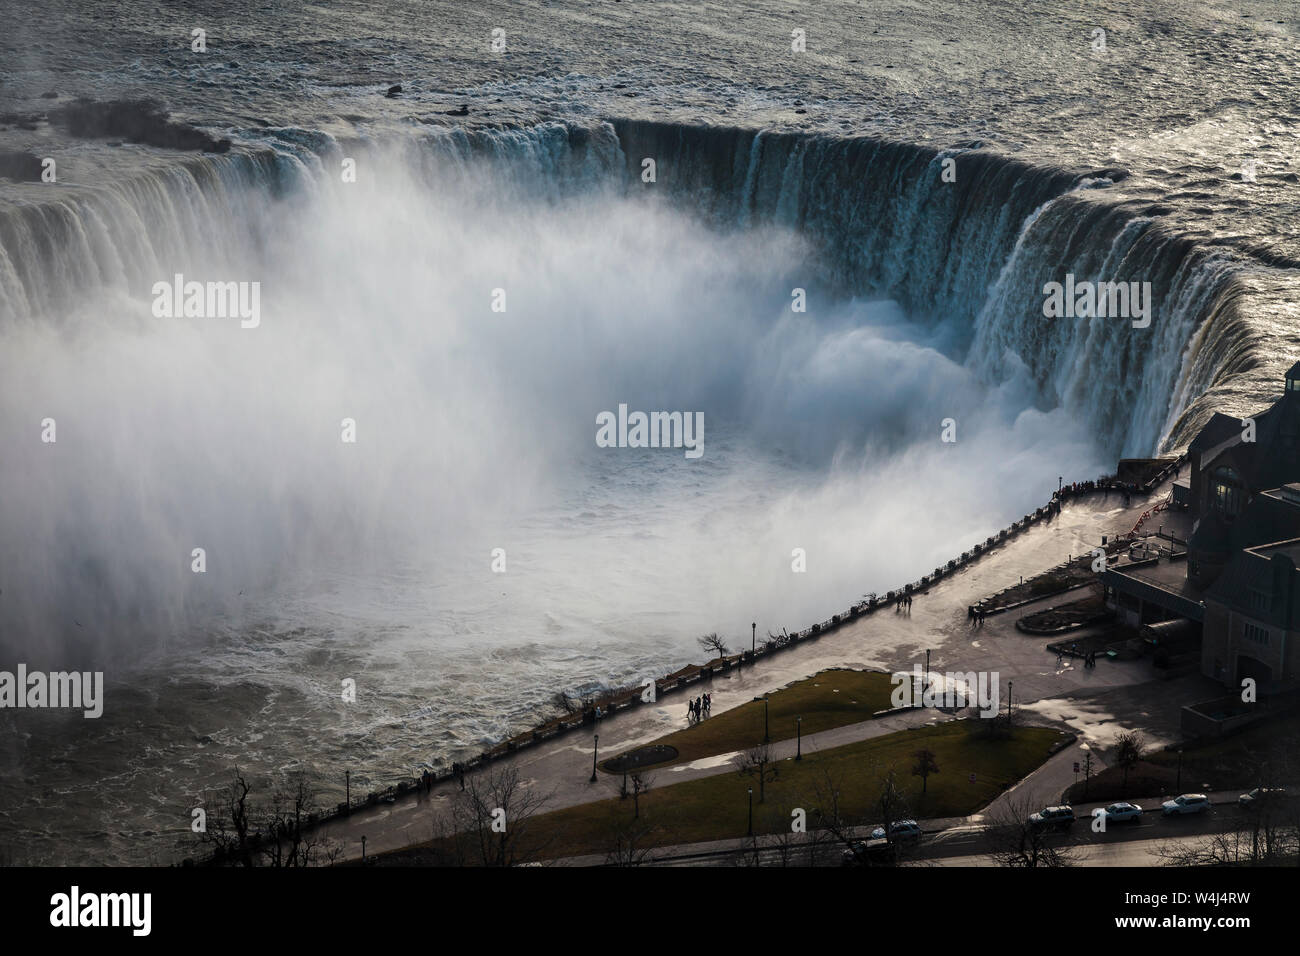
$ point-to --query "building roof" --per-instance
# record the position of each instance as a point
(1216, 431)
(1273, 458)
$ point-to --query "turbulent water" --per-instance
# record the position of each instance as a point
(475, 428)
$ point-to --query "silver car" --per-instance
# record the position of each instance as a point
(1120, 812)
(1187, 803)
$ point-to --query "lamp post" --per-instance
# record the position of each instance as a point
(927, 670)
(1179, 785)
(766, 735)
(1010, 684)
(750, 830)
(363, 848)
(595, 749)
(1060, 484)
(753, 639)
(798, 723)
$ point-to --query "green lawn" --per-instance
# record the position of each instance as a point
(830, 699)
(714, 808)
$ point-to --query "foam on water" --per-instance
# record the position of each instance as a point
(476, 430)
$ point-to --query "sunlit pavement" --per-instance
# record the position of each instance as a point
(1098, 704)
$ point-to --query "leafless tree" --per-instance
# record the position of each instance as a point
(629, 842)
(1269, 835)
(757, 762)
(926, 764)
(640, 784)
(229, 826)
(492, 819)
(1014, 841)
(242, 831)
(712, 644)
(292, 839)
(827, 810)
(1128, 751)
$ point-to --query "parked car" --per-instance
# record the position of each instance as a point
(866, 852)
(1120, 812)
(1057, 817)
(900, 831)
(1261, 795)
(855, 854)
(1187, 803)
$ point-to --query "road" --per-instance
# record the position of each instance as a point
(966, 843)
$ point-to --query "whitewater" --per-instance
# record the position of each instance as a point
(475, 428)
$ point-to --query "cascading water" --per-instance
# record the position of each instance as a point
(977, 252)
(476, 427)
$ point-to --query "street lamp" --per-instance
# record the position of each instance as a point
(766, 735)
(1010, 684)
(595, 749)
(1179, 786)
(798, 723)
(750, 831)
(753, 639)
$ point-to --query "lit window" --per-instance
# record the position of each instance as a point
(1228, 496)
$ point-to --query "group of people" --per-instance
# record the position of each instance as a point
(904, 601)
(1089, 657)
(975, 614)
(698, 709)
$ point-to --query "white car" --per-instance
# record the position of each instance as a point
(900, 831)
(1187, 803)
(1260, 796)
(1120, 812)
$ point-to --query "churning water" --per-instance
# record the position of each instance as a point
(476, 427)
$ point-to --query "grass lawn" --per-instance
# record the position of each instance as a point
(833, 698)
(716, 807)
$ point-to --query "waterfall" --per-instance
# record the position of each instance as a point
(977, 252)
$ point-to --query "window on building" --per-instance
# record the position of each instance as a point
(1257, 634)
(1228, 493)
(1258, 600)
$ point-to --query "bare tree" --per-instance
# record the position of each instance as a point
(629, 842)
(492, 819)
(757, 762)
(783, 846)
(828, 811)
(1129, 748)
(712, 644)
(292, 838)
(1268, 835)
(641, 783)
(242, 831)
(228, 823)
(1016, 842)
(926, 764)
(891, 802)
